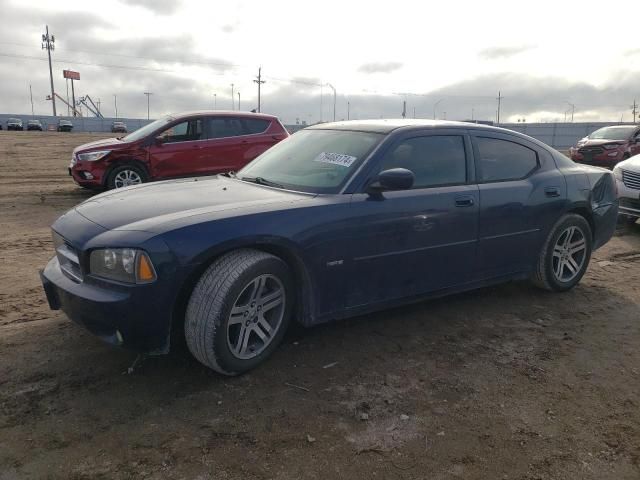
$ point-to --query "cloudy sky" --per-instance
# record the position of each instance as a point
(447, 59)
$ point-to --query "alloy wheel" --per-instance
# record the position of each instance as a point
(256, 316)
(569, 254)
(125, 178)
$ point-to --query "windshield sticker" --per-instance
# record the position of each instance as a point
(335, 159)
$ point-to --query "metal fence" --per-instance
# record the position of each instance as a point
(558, 135)
(80, 124)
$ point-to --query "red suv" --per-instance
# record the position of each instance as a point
(607, 146)
(199, 143)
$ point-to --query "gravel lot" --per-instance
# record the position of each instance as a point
(502, 383)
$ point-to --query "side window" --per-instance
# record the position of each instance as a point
(183, 132)
(434, 160)
(221, 127)
(504, 160)
(255, 125)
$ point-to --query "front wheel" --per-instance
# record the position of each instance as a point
(565, 255)
(239, 311)
(126, 175)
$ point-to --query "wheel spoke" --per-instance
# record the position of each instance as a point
(258, 287)
(264, 325)
(559, 268)
(577, 246)
(237, 315)
(567, 239)
(271, 301)
(243, 340)
(572, 265)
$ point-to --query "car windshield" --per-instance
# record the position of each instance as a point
(14, 120)
(65, 122)
(612, 133)
(34, 122)
(317, 161)
(144, 131)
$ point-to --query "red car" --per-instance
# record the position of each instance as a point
(607, 146)
(189, 144)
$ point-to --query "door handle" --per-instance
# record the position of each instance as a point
(464, 201)
(552, 191)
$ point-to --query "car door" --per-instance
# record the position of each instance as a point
(261, 135)
(180, 151)
(226, 144)
(521, 196)
(420, 240)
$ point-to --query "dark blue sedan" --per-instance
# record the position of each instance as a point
(338, 220)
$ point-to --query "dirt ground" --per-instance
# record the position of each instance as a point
(502, 383)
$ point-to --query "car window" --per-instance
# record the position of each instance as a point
(434, 160)
(221, 127)
(255, 125)
(501, 160)
(183, 132)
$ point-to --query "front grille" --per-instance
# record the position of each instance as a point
(591, 150)
(631, 179)
(68, 258)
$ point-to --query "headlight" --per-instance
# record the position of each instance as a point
(127, 265)
(617, 172)
(610, 146)
(93, 156)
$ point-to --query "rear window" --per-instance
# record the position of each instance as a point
(223, 127)
(256, 125)
(502, 160)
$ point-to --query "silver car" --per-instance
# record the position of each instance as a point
(627, 175)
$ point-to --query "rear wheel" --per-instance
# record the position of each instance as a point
(565, 255)
(126, 175)
(239, 311)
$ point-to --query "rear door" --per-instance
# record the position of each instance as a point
(521, 195)
(181, 151)
(225, 148)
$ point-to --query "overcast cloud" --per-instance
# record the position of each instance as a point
(188, 54)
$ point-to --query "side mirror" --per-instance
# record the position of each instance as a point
(159, 140)
(637, 139)
(392, 179)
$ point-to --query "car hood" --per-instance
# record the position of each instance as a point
(111, 143)
(599, 141)
(152, 206)
(632, 163)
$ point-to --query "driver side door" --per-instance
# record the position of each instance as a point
(181, 152)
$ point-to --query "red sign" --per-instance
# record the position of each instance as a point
(71, 74)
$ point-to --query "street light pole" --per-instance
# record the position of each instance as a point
(215, 101)
(148, 94)
(238, 101)
(435, 106)
(334, 100)
(232, 99)
(48, 42)
(31, 97)
(115, 103)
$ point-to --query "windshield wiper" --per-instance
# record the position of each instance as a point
(261, 181)
(230, 174)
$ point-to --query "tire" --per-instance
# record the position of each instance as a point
(117, 177)
(220, 311)
(556, 250)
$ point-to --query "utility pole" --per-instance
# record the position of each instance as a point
(500, 97)
(31, 97)
(98, 102)
(115, 103)
(472, 112)
(404, 109)
(573, 108)
(435, 106)
(634, 110)
(48, 42)
(238, 101)
(348, 110)
(259, 81)
(73, 98)
(414, 112)
(148, 94)
(232, 100)
(215, 101)
(68, 111)
(334, 100)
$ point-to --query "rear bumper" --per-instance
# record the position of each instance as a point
(133, 317)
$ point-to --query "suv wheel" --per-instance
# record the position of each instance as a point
(565, 255)
(126, 175)
(239, 311)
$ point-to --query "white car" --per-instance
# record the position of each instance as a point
(627, 175)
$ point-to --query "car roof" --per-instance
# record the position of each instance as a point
(223, 113)
(391, 124)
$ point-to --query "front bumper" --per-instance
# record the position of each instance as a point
(134, 317)
(629, 199)
(87, 174)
